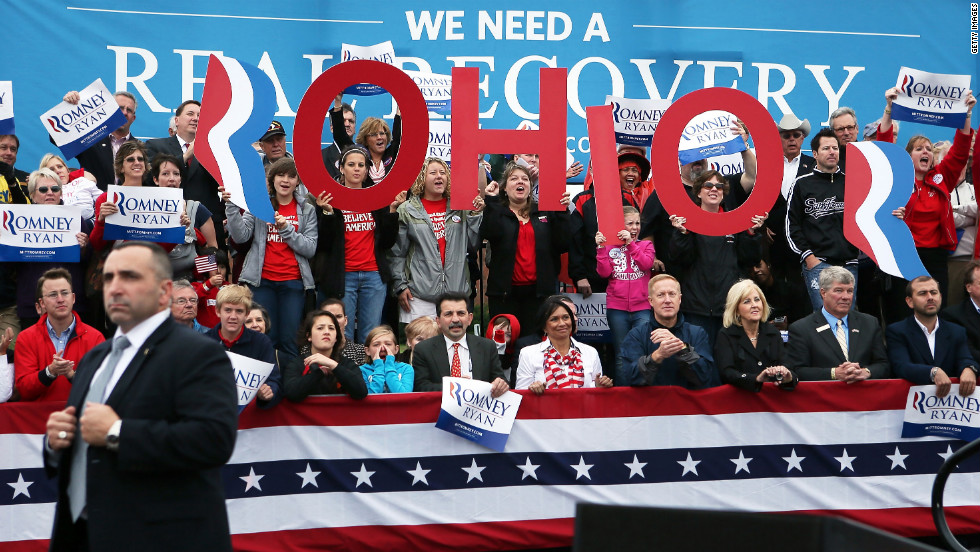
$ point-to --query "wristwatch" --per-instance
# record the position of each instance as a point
(112, 437)
(932, 374)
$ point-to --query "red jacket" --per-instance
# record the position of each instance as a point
(935, 228)
(34, 351)
(207, 313)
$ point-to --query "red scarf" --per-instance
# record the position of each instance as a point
(563, 371)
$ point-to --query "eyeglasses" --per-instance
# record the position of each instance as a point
(715, 185)
(848, 128)
(182, 301)
(66, 293)
(133, 159)
(792, 135)
(44, 189)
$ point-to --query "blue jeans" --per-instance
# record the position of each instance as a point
(284, 301)
(364, 301)
(811, 277)
(620, 324)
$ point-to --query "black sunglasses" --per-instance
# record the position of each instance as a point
(44, 189)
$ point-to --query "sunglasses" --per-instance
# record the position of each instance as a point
(791, 135)
(716, 185)
(133, 159)
(44, 189)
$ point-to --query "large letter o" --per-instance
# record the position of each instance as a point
(309, 128)
(768, 150)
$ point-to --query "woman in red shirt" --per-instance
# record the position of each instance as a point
(351, 260)
(277, 266)
(928, 212)
(525, 247)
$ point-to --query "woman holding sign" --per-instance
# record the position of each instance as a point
(351, 261)
(429, 257)
(525, 247)
(559, 361)
(167, 172)
(928, 212)
(277, 265)
(130, 165)
(709, 265)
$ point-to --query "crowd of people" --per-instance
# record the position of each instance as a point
(324, 294)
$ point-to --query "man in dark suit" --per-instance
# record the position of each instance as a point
(331, 153)
(98, 158)
(198, 184)
(149, 424)
(967, 313)
(817, 343)
(924, 351)
(455, 352)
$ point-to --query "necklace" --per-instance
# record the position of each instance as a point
(753, 339)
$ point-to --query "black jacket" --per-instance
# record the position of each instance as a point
(707, 266)
(966, 315)
(739, 363)
(329, 262)
(815, 219)
(301, 381)
(500, 228)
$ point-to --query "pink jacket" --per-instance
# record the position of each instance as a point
(628, 269)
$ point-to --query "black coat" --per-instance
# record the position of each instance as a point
(329, 262)
(966, 315)
(162, 490)
(707, 266)
(500, 228)
(739, 363)
(198, 184)
(300, 382)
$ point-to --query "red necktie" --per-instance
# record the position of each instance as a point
(455, 370)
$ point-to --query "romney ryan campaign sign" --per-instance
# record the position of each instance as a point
(470, 411)
(931, 98)
(40, 233)
(949, 416)
(76, 127)
(149, 214)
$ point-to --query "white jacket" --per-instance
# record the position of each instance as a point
(530, 367)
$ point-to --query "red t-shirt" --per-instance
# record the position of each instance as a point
(359, 242)
(525, 267)
(280, 262)
(437, 215)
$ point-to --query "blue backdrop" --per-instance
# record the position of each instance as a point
(808, 57)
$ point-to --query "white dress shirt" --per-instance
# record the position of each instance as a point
(930, 336)
(465, 365)
(790, 168)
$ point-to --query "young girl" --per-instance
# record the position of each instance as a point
(628, 268)
(382, 373)
(207, 288)
(417, 331)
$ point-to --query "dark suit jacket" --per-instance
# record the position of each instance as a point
(966, 315)
(162, 490)
(908, 350)
(782, 260)
(431, 361)
(813, 349)
(198, 184)
(97, 159)
(740, 363)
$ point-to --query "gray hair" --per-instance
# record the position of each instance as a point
(182, 284)
(843, 111)
(36, 176)
(835, 275)
(129, 95)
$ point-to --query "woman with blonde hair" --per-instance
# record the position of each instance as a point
(383, 373)
(380, 141)
(748, 351)
(417, 331)
(77, 187)
(429, 257)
